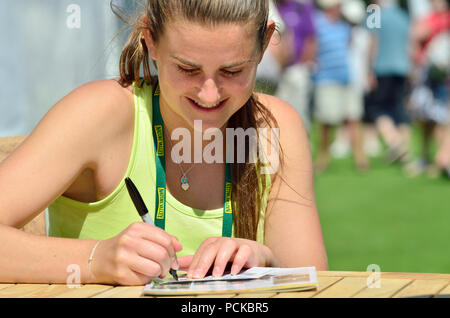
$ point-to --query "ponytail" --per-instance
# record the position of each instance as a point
(134, 56)
(249, 185)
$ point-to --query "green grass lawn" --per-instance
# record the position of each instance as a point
(381, 217)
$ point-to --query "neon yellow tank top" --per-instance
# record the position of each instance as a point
(110, 216)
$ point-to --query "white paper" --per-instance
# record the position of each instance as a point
(257, 279)
(252, 273)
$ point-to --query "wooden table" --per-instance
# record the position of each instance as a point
(331, 285)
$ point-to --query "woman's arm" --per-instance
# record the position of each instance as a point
(61, 146)
(71, 138)
(443, 154)
(292, 227)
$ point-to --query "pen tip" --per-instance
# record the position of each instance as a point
(174, 274)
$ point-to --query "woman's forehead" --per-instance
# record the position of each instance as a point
(190, 38)
(182, 29)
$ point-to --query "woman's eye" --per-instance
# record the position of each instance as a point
(189, 71)
(231, 73)
(193, 71)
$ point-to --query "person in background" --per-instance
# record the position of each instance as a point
(354, 12)
(334, 96)
(429, 102)
(295, 83)
(390, 67)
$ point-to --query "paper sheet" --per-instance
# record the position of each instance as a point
(257, 279)
(252, 273)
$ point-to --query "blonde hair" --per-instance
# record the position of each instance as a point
(248, 186)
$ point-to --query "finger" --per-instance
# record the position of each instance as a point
(165, 240)
(203, 259)
(145, 268)
(155, 253)
(177, 248)
(205, 262)
(225, 253)
(244, 256)
(184, 262)
(138, 279)
(196, 258)
(176, 244)
(142, 279)
(161, 237)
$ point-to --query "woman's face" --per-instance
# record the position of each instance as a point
(205, 73)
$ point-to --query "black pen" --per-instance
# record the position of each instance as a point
(143, 211)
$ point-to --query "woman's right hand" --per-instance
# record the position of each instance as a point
(135, 256)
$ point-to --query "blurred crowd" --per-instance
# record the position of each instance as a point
(366, 72)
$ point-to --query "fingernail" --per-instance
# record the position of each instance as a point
(234, 270)
(216, 272)
(175, 264)
(198, 273)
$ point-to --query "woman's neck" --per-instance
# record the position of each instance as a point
(178, 133)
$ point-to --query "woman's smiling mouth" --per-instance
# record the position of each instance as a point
(204, 107)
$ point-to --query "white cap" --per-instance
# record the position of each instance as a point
(354, 11)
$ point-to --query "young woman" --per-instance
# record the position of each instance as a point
(77, 158)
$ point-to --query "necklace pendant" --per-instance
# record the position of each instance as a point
(184, 183)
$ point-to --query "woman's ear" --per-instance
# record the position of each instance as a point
(271, 26)
(270, 30)
(148, 38)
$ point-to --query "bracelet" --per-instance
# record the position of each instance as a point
(91, 258)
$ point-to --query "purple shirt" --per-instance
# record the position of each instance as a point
(298, 17)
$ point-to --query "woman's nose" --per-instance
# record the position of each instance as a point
(209, 93)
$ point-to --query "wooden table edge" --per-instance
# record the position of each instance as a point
(398, 275)
(338, 274)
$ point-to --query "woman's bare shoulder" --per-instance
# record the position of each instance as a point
(100, 107)
(284, 113)
(99, 111)
(87, 118)
(72, 137)
(290, 134)
(106, 98)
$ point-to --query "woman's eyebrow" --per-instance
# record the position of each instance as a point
(185, 61)
(192, 64)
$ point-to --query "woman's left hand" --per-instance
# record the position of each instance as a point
(217, 252)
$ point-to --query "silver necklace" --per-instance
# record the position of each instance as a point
(184, 179)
